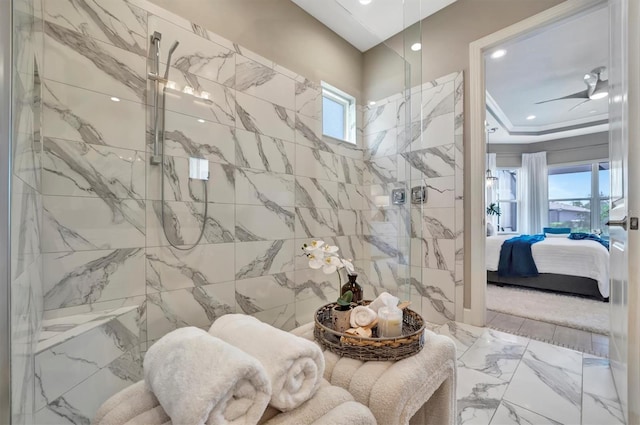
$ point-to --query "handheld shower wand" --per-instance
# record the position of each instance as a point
(157, 158)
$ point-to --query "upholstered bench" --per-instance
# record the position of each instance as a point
(419, 390)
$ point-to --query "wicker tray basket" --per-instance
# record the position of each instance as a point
(370, 349)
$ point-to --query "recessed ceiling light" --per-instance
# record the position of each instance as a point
(599, 95)
(531, 117)
(416, 46)
(200, 120)
(372, 103)
(115, 99)
(365, 2)
(498, 54)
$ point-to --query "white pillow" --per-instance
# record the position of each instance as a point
(555, 235)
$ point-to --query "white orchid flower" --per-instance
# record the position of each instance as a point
(316, 259)
(314, 245)
(329, 249)
(331, 264)
(349, 266)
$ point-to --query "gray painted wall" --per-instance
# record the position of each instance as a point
(590, 147)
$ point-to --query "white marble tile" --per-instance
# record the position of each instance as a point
(87, 277)
(600, 403)
(283, 317)
(348, 221)
(316, 163)
(183, 223)
(380, 117)
(260, 152)
(315, 222)
(495, 353)
(554, 375)
(63, 313)
(81, 115)
(431, 162)
(308, 99)
(264, 117)
(255, 187)
(254, 259)
(437, 290)
(61, 367)
(381, 144)
(26, 235)
(80, 404)
(315, 193)
(195, 55)
(179, 187)
(439, 223)
(80, 224)
(309, 133)
(264, 83)
(186, 136)
(200, 98)
(462, 334)
(198, 307)
(72, 58)
(381, 170)
(265, 292)
(479, 396)
(350, 196)
(511, 414)
(168, 269)
(82, 169)
(119, 22)
(270, 222)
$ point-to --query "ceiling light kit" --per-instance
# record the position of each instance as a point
(498, 54)
(416, 47)
(365, 2)
(531, 117)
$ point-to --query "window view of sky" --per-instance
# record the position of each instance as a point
(576, 185)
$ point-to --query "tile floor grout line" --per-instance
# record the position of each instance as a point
(552, 342)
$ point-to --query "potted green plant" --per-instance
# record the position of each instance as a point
(492, 210)
(342, 312)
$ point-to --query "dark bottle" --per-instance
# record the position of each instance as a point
(354, 287)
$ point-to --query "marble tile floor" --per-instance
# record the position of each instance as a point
(576, 339)
(510, 379)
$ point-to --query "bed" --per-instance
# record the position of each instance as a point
(579, 267)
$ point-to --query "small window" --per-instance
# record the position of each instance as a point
(338, 114)
(508, 200)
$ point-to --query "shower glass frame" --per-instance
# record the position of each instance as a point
(6, 51)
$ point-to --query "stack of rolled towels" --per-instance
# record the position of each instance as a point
(229, 375)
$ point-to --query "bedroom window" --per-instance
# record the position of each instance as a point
(508, 200)
(579, 197)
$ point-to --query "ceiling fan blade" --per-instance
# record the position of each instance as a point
(581, 103)
(580, 95)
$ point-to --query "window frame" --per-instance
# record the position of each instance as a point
(511, 201)
(349, 102)
(595, 199)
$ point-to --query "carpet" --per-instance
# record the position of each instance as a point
(565, 310)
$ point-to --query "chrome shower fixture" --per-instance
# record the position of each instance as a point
(200, 168)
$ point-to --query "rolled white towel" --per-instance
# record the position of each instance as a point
(382, 300)
(294, 365)
(200, 379)
(362, 316)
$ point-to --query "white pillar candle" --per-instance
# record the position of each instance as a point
(389, 322)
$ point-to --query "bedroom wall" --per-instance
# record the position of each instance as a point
(589, 147)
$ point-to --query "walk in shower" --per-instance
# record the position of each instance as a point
(105, 206)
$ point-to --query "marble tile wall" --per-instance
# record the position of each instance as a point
(26, 207)
(275, 181)
(416, 250)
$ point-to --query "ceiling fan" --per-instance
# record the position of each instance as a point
(597, 88)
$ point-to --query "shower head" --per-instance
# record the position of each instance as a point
(174, 46)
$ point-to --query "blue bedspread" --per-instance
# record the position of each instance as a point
(589, 237)
(516, 258)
